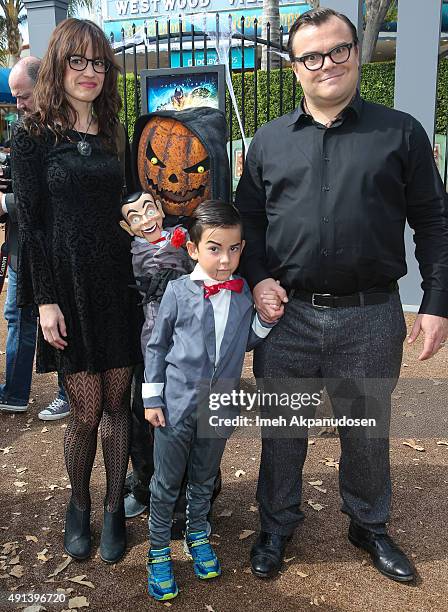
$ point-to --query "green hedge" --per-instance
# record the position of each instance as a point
(378, 82)
(377, 85)
(130, 98)
(442, 98)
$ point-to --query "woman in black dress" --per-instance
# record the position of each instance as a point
(75, 265)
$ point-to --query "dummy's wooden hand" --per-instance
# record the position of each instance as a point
(155, 417)
(53, 327)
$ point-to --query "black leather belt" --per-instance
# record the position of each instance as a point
(374, 295)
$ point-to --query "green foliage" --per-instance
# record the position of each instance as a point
(74, 6)
(392, 12)
(3, 43)
(378, 82)
(442, 97)
(377, 85)
(131, 94)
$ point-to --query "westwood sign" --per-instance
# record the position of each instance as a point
(119, 9)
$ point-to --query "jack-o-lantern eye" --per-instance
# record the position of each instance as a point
(155, 161)
(200, 167)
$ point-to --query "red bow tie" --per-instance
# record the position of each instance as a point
(235, 284)
(158, 240)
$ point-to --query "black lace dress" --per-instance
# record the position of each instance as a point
(72, 251)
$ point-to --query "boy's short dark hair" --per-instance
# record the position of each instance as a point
(213, 213)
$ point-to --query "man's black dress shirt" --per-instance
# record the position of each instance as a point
(324, 209)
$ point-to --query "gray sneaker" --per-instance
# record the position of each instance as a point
(132, 507)
(58, 409)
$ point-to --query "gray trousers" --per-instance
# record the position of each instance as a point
(177, 449)
(341, 344)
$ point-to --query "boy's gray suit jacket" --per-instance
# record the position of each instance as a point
(181, 350)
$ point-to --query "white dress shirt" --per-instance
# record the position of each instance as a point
(220, 302)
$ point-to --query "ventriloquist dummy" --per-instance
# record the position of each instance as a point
(180, 159)
(157, 253)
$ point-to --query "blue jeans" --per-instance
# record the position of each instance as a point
(20, 348)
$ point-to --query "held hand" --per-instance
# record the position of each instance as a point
(435, 331)
(53, 325)
(269, 298)
(155, 417)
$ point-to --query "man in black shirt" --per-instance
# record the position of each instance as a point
(324, 197)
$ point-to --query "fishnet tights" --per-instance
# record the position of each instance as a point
(94, 398)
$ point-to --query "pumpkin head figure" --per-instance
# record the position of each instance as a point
(173, 165)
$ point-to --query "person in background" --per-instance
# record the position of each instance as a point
(22, 323)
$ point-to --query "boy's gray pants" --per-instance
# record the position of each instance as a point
(176, 449)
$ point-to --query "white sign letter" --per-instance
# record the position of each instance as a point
(122, 7)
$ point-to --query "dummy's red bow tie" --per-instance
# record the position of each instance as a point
(158, 240)
(235, 284)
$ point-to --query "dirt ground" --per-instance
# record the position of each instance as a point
(322, 570)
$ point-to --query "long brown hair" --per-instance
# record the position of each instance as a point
(72, 37)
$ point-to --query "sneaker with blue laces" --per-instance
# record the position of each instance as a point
(206, 564)
(161, 583)
(58, 409)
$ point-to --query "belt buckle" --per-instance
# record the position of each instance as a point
(319, 295)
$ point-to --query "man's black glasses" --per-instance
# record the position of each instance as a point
(315, 61)
(79, 62)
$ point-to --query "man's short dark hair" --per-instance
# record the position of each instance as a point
(317, 17)
(212, 214)
(32, 69)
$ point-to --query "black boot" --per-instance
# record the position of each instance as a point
(113, 535)
(77, 538)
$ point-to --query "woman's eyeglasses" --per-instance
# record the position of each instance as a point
(79, 63)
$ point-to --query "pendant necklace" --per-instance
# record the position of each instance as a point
(84, 148)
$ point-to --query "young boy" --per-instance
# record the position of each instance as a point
(205, 324)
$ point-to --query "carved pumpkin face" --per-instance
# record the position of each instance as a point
(173, 165)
